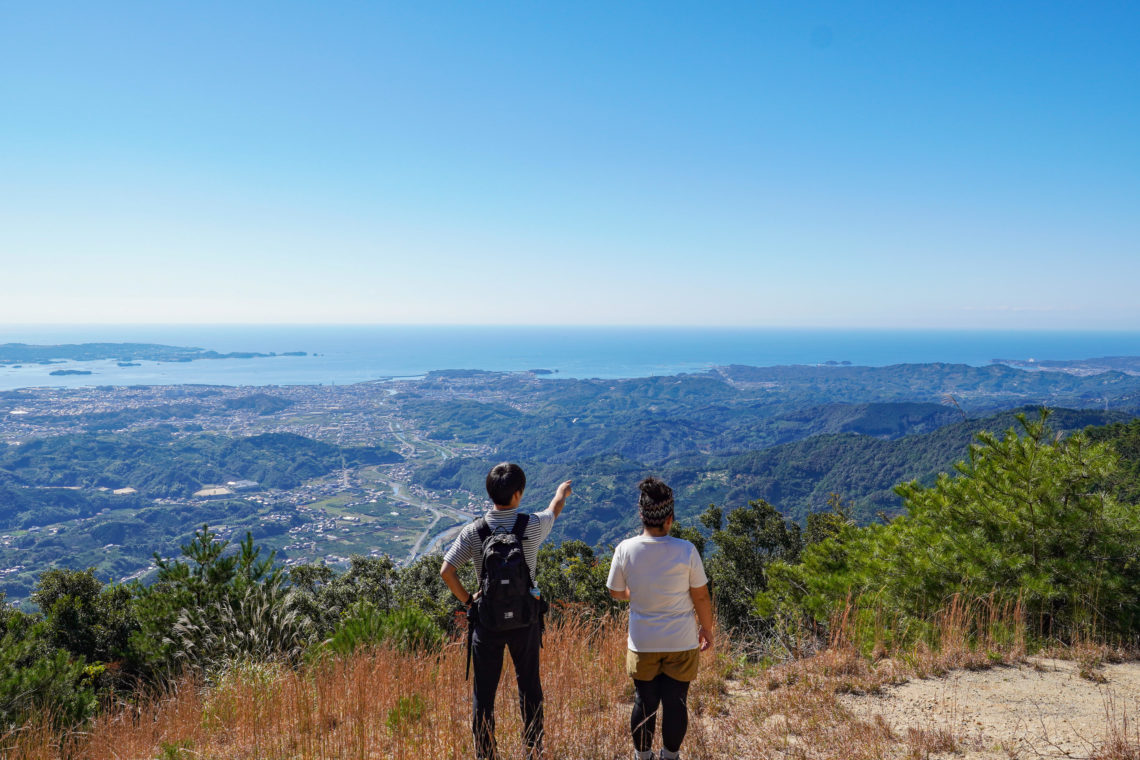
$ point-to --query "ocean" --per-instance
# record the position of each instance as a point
(352, 354)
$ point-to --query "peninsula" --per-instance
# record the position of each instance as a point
(124, 353)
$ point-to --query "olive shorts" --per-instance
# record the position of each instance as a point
(645, 666)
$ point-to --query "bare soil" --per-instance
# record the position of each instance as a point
(1040, 708)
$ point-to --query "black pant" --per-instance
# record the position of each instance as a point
(671, 695)
(487, 657)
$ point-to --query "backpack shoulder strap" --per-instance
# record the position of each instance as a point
(519, 530)
(521, 521)
(483, 530)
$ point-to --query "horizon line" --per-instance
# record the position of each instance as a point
(571, 326)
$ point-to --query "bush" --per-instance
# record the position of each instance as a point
(572, 577)
(258, 624)
(325, 597)
(748, 541)
(40, 682)
(408, 629)
(216, 608)
(408, 710)
(84, 617)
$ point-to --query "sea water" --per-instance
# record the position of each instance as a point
(351, 354)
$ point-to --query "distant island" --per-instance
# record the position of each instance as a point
(126, 354)
(61, 372)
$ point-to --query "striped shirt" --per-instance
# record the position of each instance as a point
(468, 546)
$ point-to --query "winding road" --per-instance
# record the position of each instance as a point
(400, 492)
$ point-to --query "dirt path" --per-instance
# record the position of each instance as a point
(1042, 708)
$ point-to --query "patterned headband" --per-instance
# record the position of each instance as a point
(655, 515)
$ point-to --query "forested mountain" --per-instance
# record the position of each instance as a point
(735, 409)
(157, 462)
(994, 383)
(797, 478)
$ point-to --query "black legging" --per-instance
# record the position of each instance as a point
(671, 695)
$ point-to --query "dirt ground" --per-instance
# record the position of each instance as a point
(1041, 708)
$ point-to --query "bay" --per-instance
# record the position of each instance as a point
(340, 354)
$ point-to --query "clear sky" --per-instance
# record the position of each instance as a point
(917, 164)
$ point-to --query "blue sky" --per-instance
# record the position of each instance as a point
(807, 164)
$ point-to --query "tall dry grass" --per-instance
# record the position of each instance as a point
(386, 705)
(376, 704)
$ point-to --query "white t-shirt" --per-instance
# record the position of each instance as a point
(659, 571)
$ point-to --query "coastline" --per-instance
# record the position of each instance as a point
(352, 354)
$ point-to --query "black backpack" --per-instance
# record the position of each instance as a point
(505, 602)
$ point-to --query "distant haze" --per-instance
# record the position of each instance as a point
(946, 165)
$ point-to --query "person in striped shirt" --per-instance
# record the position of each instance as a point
(505, 485)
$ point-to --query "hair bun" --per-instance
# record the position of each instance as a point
(655, 489)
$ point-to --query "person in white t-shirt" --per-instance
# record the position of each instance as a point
(670, 620)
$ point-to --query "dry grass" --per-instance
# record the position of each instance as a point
(966, 634)
(922, 742)
(1118, 748)
(385, 705)
(1090, 655)
(381, 704)
(1123, 739)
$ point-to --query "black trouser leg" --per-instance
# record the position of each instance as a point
(524, 646)
(674, 712)
(643, 719)
(487, 664)
(672, 697)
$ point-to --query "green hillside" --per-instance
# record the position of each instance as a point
(735, 409)
(159, 462)
(797, 478)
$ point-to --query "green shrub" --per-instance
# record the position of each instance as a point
(179, 750)
(749, 540)
(38, 681)
(411, 630)
(408, 629)
(362, 626)
(216, 609)
(408, 710)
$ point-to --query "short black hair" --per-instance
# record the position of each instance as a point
(504, 481)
